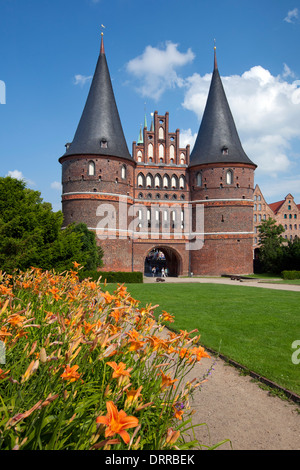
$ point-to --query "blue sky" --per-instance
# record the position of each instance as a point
(160, 57)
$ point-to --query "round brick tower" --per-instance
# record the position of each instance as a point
(98, 172)
(222, 179)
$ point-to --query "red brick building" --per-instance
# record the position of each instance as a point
(285, 212)
(162, 206)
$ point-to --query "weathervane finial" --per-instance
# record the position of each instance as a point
(215, 55)
(102, 44)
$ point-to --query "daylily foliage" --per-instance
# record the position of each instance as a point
(89, 369)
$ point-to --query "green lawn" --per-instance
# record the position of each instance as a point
(253, 326)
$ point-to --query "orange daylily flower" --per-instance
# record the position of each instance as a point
(88, 327)
(116, 314)
(120, 372)
(26, 285)
(107, 297)
(199, 352)
(157, 342)
(4, 333)
(92, 285)
(70, 373)
(184, 352)
(16, 320)
(117, 422)
(75, 264)
(55, 291)
(133, 334)
(122, 291)
(6, 291)
(132, 397)
(167, 317)
(114, 329)
(166, 380)
(135, 345)
(178, 410)
(3, 374)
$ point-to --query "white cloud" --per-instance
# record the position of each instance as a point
(82, 79)
(56, 185)
(18, 175)
(187, 138)
(292, 16)
(266, 110)
(276, 188)
(156, 68)
(287, 72)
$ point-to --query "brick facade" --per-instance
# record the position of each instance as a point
(286, 212)
(191, 213)
(160, 180)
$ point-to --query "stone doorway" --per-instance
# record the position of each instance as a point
(162, 257)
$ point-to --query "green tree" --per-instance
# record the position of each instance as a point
(292, 255)
(271, 253)
(31, 233)
(76, 243)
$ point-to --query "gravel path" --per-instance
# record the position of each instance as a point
(234, 407)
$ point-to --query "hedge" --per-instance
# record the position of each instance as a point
(290, 274)
(112, 277)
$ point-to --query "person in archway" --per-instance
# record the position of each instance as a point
(163, 274)
(153, 271)
(166, 272)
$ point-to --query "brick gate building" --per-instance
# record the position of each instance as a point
(162, 205)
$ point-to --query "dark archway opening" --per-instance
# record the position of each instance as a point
(161, 258)
(256, 262)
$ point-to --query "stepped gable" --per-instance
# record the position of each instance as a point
(217, 140)
(99, 131)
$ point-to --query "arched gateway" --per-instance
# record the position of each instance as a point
(162, 257)
(163, 184)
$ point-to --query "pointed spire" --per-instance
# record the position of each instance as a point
(152, 124)
(215, 56)
(140, 140)
(102, 51)
(145, 118)
(100, 131)
(217, 139)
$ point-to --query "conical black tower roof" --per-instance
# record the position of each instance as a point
(217, 140)
(100, 130)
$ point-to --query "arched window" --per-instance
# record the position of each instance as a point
(91, 168)
(149, 181)
(140, 180)
(161, 133)
(166, 181)
(139, 156)
(181, 182)
(199, 179)
(157, 181)
(174, 182)
(182, 159)
(123, 172)
(229, 177)
(150, 150)
(172, 151)
(161, 151)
